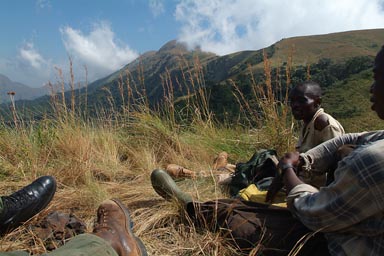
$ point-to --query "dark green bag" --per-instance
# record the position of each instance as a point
(261, 165)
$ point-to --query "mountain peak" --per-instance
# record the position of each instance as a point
(174, 45)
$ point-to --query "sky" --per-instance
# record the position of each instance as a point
(38, 37)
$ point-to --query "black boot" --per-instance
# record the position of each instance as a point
(166, 187)
(26, 203)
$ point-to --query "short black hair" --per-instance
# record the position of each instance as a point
(313, 88)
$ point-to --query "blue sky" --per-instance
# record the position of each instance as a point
(104, 35)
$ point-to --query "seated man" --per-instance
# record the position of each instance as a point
(25, 203)
(317, 127)
(348, 212)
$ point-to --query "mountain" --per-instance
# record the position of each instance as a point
(336, 46)
(22, 91)
(330, 57)
(334, 60)
(149, 70)
(174, 58)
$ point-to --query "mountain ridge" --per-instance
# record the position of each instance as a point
(332, 58)
(22, 91)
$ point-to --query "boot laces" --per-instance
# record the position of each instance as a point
(17, 200)
(102, 222)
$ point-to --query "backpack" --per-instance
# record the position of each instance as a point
(261, 165)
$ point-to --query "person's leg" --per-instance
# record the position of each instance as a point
(112, 235)
(85, 244)
(25, 203)
(167, 188)
(249, 224)
(14, 253)
(80, 245)
(245, 224)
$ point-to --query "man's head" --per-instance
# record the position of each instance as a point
(305, 100)
(377, 88)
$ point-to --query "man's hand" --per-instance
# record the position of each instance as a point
(290, 158)
(276, 185)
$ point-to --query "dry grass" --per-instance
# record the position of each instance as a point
(112, 157)
(269, 108)
(88, 169)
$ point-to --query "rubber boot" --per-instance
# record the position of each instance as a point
(166, 187)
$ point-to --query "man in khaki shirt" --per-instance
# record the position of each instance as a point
(318, 126)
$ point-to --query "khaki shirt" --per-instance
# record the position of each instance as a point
(310, 138)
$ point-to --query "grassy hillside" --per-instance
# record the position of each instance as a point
(336, 46)
(349, 102)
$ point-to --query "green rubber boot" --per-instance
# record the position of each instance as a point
(166, 187)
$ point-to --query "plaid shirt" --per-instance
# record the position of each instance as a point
(350, 211)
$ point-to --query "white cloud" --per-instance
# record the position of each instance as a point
(225, 26)
(35, 68)
(30, 55)
(29, 67)
(156, 7)
(99, 50)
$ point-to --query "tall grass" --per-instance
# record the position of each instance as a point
(113, 155)
(269, 108)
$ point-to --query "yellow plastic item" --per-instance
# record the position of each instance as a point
(253, 194)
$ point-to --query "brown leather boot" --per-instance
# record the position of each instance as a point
(115, 226)
(178, 171)
(220, 161)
